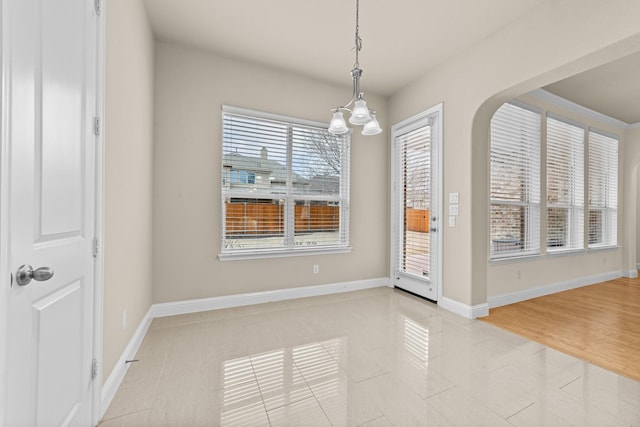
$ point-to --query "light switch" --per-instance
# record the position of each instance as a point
(453, 210)
(453, 198)
(452, 221)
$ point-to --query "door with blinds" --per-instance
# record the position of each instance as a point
(416, 253)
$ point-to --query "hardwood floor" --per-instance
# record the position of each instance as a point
(598, 323)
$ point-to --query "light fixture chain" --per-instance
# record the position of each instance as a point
(358, 39)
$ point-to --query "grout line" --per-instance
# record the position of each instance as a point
(439, 392)
(571, 382)
(517, 412)
(106, 420)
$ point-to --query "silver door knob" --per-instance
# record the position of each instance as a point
(433, 229)
(26, 273)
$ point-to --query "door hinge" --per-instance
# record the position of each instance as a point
(94, 369)
(97, 126)
(96, 247)
(98, 6)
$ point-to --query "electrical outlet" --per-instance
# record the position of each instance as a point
(316, 269)
(124, 319)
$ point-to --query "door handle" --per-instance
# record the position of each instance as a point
(26, 273)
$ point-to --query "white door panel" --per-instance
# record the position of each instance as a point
(51, 75)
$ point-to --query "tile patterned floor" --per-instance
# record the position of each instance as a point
(378, 357)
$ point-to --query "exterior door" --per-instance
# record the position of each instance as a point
(416, 208)
(49, 101)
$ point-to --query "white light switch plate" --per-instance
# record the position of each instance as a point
(452, 221)
(453, 209)
(453, 198)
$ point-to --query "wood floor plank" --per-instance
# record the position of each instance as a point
(598, 323)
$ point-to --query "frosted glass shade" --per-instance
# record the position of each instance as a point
(360, 114)
(372, 127)
(338, 126)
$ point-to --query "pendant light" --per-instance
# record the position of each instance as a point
(360, 114)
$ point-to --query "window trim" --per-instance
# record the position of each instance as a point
(289, 250)
(282, 253)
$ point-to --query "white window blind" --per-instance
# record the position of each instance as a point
(603, 190)
(285, 184)
(565, 185)
(515, 182)
(414, 243)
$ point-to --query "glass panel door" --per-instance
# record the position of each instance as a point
(415, 221)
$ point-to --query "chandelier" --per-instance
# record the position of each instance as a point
(360, 114)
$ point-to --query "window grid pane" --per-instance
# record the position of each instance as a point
(603, 190)
(515, 182)
(284, 185)
(565, 185)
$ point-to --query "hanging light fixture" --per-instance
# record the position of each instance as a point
(360, 114)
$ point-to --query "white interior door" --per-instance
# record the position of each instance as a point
(416, 253)
(49, 66)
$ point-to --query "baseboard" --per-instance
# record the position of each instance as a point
(216, 303)
(464, 310)
(513, 297)
(631, 274)
(117, 374)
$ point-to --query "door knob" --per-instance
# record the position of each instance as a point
(26, 273)
(433, 229)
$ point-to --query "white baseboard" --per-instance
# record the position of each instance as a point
(513, 297)
(631, 274)
(464, 310)
(216, 303)
(117, 374)
(638, 266)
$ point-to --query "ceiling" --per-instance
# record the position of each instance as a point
(611, 89)
(402, 39)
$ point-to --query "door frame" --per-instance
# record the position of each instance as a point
(438, 111)
(5, 273)
(98, 265)
(4, 217)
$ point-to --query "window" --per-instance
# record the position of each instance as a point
(515, 182)
(603, 190)
(285, 185)
(565, 185)
(242, 177)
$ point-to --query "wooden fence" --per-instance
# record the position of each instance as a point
(417, 220)
(268, 219)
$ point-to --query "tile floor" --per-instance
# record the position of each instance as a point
(378, 357)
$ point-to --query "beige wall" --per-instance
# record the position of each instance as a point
(190, 88)
(632, 166)
(128, 174)
(551, 42)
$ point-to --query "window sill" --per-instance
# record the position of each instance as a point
(603, 248)
(564, 252)
(282, 253)
(514, 259)
(550, 254)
